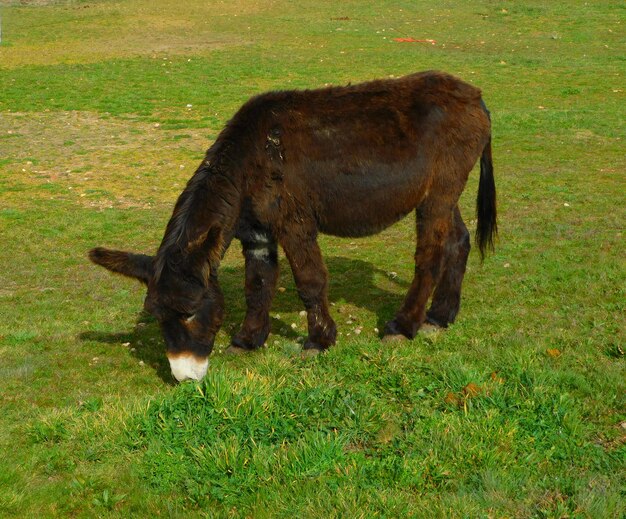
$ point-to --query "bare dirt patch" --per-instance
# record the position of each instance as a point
(98, 162)
(71, 32)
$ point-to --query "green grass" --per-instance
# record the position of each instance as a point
(517, 410)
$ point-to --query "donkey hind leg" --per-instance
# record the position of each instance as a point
(447, 296)
(311, 279)
(433, 228)
(261, 257)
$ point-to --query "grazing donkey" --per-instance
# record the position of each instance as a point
(347, 161)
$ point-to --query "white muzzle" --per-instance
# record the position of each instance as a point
(187, 366)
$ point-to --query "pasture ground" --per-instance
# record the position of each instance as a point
(517, 410)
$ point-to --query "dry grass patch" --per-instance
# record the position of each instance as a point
(77, 32)
(98, 161)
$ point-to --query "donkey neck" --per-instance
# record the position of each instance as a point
(203, 219)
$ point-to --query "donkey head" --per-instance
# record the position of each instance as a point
(188, 305)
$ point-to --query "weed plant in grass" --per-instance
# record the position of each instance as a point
(517, 410)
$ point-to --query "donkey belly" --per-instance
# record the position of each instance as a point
(365, 200)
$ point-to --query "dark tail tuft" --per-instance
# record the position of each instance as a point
(487, 227)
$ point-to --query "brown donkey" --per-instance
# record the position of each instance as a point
(347, 161)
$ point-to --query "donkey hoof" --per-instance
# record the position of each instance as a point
(310, 354)
(430, 328)
(393, 332)
(236, 350)
(312, 349)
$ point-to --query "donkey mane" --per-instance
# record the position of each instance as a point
(201, 206)
(209, 189)
(176, 236)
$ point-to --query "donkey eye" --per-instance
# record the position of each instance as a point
(189, 317)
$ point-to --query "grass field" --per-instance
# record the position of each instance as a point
(517, 410)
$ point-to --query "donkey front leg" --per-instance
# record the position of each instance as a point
(311, 278)
(261, 257)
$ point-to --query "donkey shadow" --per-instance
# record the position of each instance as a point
(352, 282)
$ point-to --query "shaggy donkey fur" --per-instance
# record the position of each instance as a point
(347, 161)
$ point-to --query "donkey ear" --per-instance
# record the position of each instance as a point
(207, 246)
(138, 266)
(206, 250)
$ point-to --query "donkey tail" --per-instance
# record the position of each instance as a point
(486, 227)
